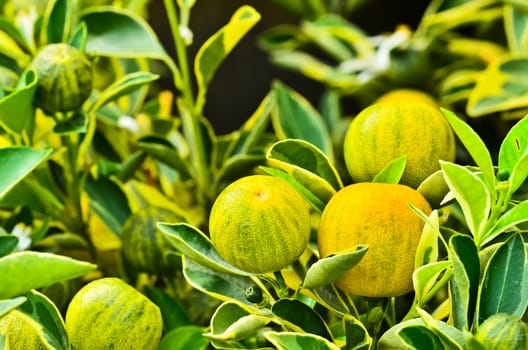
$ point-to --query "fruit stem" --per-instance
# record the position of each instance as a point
(186, 86)
(74, 188)
(191, 125)
(283, 288)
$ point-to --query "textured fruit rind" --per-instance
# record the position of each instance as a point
(379, 216)
(64, 78)
(260, 224)
(143, 243)
(408, 95)
(109, 314)
(385, 131)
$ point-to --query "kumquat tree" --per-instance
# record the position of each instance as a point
(375, 196)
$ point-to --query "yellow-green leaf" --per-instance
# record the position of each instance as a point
(502, 86)
(217, 47)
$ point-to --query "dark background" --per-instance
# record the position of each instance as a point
(245, 76)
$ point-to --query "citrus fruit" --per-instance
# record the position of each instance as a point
(19, 333)
(377, 215)
(143, 244)
(260, 224)
(385, 131)
(408, 95)
(109, 314)
(64, 78)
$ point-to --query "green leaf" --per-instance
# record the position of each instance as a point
(392, 172)
(34, 195)
(329, 269)
(10, 48)
(420, 338)
(254, 127)
(513, 154)
(237, 166)
(16, 163)
(14, 35)
(347, 32)
(58, 21)
(451, 337)
(302, 316)
(109, 202)
(77, 123)
(184, 338)
(514, 216)
(124, 86)
(474, 145)
(120, 33)
(464, 284)
(193, 243)
(457, 85)
(315, 69)
(426, 280)
(516, 27)
(8, 244)
(434, 189)
(295, 118)
(501, 87)
(10, 304)
(79, 36)
(28, 270)
(471, 194)
(298, 341)
(41, 309)
(172, 312)
(357, 335)
(242, 328)
(315, 201)
(322, 36)
(427, 250)
(331, 111)
(219, 285)
(301, 155)
(231, 322)
(217, 47)
(505, 281)
(167, 154)
(16, 109)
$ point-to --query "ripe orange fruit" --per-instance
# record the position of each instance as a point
(378, 215)
(385, 131)
(260, 224)
(408, 95)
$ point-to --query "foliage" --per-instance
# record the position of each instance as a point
(68, 185)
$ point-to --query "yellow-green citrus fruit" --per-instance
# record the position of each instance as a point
(503, 332)
(377, 215)
(19, 333)
(385, 131)
(64, 78)
(109, 314)
(260, 224)
(408, 95)
(143, 244)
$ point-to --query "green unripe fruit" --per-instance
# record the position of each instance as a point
(260, 224)
(110, 314)
(64, 78)
(143, 244)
